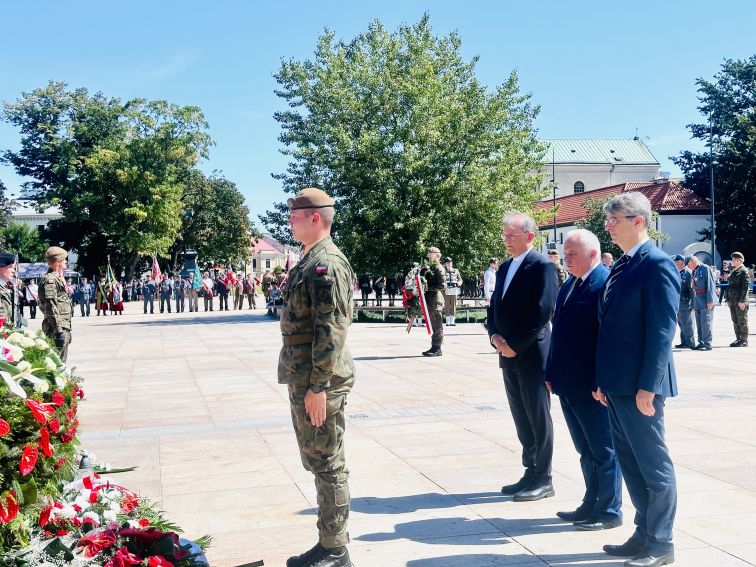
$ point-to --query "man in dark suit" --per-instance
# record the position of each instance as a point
(571, 374)
(518, 328)
(635, 373)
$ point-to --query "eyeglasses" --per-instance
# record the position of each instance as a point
(611, 221)
(506, 236)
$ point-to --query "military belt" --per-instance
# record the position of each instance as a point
(303, 339)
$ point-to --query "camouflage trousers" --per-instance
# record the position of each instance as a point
(435, 303)
(739, 321)
(51, 333)
(322, 453)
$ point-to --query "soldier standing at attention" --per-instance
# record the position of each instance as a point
(318, 368)
(737, 299)
(703, 300)
(7, 275)
(684, 312)
(434, 299)
(562, 274)
(54, 302)
(453, 290)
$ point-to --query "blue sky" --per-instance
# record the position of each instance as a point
(598, 69)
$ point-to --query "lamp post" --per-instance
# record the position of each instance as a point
(554, 187)
(711, 190)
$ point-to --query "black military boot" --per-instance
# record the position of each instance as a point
(307, 557)
(434, 351)
(334, 557)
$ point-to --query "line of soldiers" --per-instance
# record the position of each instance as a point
(698, 290)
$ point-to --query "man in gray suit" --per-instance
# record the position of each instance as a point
(703, 300)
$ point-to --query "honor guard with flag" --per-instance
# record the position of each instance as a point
(318, 369)
(434, 298)
(54, 301)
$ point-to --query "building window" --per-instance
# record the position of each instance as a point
(561, 238)
(254, 264)
(579, 187)
(267, 263)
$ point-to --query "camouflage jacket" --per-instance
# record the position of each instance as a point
(54, 303)
(435, 277)
(316, 315)
(740, 281)
(6, 303)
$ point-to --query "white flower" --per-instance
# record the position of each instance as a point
(60, 382)
(67, 511)
(82, 500)
(41, 345)
(23, 366)
(110, 515)
(49, 364)
(15, 338)
(13, 386)
(26, 342)
(41, 387)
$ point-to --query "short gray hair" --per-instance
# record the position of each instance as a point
(522, 220)
(631, 203)
(589, 240)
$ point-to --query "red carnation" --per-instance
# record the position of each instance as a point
(66, 436)
(159, 561)
(8, 507)
(95, 543)
(61, 532)
(54, 425)
(4, 427)
(58, 399)
(144, 523)
(44, 442)
(60, 462)
(128, 503)
(28, 460)
(40, 411)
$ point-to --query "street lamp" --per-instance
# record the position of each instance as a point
(711, 190)
(554, 187)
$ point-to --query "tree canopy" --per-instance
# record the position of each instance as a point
(121, 174)
(18, 237)
(415, 151)
(728, 104)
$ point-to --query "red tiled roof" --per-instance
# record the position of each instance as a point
(665, 197)
(268, 244)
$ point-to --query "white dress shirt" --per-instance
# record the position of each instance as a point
(489, 283)
(513, 267)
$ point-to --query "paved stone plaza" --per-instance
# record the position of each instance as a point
(192, 399)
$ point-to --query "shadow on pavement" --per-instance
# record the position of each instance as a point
(165, 321)
(388, 357)
(486, 559)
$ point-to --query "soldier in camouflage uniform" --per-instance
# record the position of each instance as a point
(318, 368)
(54, 302)
(562, 274)
(737, 299)
(7, 277)
(435, 278)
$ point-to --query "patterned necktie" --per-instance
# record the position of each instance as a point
(616, 272)
(575, 286)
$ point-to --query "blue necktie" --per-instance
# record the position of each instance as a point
(617, 269)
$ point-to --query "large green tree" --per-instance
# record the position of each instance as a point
(5, 206)
(113, 168)
(215, 221)
(413, 148)
(728, 104)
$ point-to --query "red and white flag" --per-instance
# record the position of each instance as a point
(156, 275)
(423, 305)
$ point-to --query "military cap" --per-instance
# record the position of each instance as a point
(678, 258)
(552, 252)
(310, 198)
(738, 255)
(447, 259)
(55, 253)
(433, 250)
(6, 259)
(688, 259)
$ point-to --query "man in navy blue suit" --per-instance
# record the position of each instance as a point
(571, 374)
(518, 328)
(635, 373)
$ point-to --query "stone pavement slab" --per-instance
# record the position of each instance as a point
(192, 399)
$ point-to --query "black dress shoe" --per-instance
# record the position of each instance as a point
(594, 525)
(433, 352)
(536, 493)
(735, 343)
(334, 557)
(574, 516)
(630, 548)
(651, 560)
(512, 489)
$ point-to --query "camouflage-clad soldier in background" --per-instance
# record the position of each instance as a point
(54, 301)
(318, 368)
(737, 299)
(434, 299)
(562, 274)
(7, 276)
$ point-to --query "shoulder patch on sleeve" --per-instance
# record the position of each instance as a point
(321, 269)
